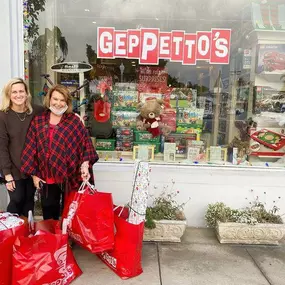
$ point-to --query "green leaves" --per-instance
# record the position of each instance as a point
(165, 207)
(256, 213)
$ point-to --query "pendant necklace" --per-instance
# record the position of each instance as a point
(21, 119)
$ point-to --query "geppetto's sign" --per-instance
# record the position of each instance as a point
(150, 45)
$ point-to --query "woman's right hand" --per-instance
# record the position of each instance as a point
(37, 181)
(10, 182)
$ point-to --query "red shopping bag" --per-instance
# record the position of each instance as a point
(90, 218)
(44, 258)
(7, 239)
(125, 258)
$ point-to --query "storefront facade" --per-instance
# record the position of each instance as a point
(219, 68)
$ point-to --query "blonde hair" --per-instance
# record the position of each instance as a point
(64, 92)
(6, 95)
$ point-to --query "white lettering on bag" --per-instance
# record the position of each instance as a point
(109, 259)
(66, 271)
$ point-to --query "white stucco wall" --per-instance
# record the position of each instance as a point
(204, 184)
(11, 44)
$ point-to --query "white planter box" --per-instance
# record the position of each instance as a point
(250, 234)
(166, 230)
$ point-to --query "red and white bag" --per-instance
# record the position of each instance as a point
(90, 218)
(11, 226)
(44, 258)
(125, 258)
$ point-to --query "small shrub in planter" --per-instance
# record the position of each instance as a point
(165, 207)
(165, 219)
(255, 224)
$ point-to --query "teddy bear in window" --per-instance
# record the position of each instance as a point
(150, 119)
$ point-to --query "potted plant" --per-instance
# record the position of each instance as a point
(165, 220)
(254, 224)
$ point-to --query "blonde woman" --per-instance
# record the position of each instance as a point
(16, 113)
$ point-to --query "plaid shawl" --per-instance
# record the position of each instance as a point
(70, 147)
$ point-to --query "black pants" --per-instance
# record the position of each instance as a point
(52, 201)
(22, 198)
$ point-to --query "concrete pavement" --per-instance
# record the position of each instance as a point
(198, 260)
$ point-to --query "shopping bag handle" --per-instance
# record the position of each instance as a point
(82, 188)
(123, 206)
(64, 226)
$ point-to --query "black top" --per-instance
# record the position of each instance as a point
(13, 129)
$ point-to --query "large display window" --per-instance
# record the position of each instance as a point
(195, 82)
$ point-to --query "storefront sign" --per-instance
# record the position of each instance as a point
(69, 82)
(150, 45)
(71, 67)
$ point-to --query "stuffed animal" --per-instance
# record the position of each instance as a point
(149, 118)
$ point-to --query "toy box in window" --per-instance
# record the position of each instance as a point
(168, 118)
(124, 145)
(125, 100)
(124, 119)
(181, 141)
(271, 59)
(143, 136)
(124, 134)
(190, 117)
(267, 142)
(105, 144)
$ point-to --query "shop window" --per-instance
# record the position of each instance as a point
(217, 68)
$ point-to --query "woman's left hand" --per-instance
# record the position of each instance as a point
(85, 175)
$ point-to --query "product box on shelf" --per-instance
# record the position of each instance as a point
(124, 134)
(105, 144)
(124, 145)
(267, 142)
(125, 100)
(124, 119)
(168, 118)
(190, 117)
(181, 141)
(144, 136)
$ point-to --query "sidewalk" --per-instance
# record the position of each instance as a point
(198, 260)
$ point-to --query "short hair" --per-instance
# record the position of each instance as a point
(6, 95)
(64, 92)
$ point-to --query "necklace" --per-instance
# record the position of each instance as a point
(21, 119)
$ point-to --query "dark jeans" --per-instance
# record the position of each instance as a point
(52, 201)
(22, 198)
